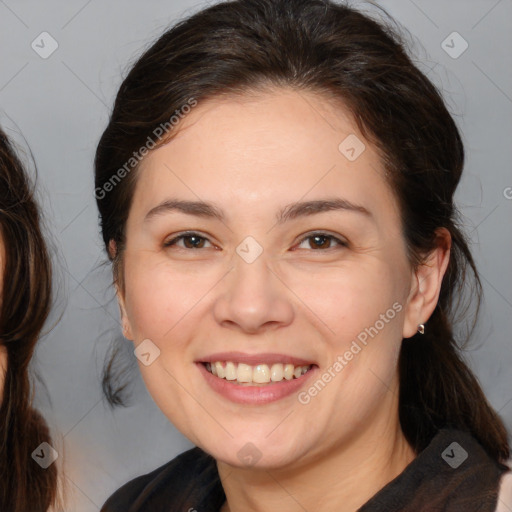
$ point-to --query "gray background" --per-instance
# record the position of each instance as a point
(60, 104)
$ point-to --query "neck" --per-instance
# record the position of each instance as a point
(344, 479)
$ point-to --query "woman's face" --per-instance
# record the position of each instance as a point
(281, 279)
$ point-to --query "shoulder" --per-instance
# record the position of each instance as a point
(505, 491)
(190, 475)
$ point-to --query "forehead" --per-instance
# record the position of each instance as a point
(271, 147)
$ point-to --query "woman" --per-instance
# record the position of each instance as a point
(28, 477)
(275, 188)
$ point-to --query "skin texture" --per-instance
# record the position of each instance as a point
(251, 156)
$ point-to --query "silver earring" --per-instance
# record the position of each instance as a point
(421, 328)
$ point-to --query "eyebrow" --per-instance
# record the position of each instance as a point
(289, 212)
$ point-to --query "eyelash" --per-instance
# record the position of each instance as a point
(188, 234)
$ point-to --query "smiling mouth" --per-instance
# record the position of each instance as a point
(256, 375)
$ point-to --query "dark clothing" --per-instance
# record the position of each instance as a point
(453, 473)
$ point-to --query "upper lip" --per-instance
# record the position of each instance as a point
(254, 359)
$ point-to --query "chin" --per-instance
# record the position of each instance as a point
(257, 454)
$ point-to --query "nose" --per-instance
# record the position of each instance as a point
(252, 298)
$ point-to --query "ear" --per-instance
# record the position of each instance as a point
(125, 322)
(426, 283)
(112, 248)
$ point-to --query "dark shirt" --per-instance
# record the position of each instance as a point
(453, 473)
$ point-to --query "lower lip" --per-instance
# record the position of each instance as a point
(255, 394)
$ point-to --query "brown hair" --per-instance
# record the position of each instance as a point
(317, 45)
(24, 308)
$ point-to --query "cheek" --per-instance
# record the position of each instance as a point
(360, 311)
(158, 298)
(343, 302)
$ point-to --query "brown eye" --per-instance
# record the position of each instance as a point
(190, 241)
(322, 241)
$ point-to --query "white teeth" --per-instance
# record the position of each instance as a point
(259, 374)
(244, 373)
(220, 370)
(231, 373)
(276, 372)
